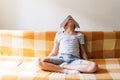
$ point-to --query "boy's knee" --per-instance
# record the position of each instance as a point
(42, 61)
(39, 62)
(93, 67)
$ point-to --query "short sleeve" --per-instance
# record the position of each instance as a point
(56, 37)
(81, 39)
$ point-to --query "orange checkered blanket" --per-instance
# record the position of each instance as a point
(19, 51)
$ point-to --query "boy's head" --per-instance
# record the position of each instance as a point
(69, 21)
(70, 24)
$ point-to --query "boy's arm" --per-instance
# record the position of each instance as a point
(55, 49)
(83, 52)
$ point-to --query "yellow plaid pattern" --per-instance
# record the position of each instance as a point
(99, 44)
(20, 50)
(26, 43)
(24, 68)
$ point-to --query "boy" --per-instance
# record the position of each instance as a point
(65, 56)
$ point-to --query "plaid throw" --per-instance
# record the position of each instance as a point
(102, 48)
(38, 44)
(101, 44)
(11, 68)
(26, 43)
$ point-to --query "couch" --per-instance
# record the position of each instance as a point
(20, 49)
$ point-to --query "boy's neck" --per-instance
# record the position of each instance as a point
(71, 32)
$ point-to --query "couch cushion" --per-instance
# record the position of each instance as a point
(99, 44)
(26, 43)
(102, 44)
(11, 68)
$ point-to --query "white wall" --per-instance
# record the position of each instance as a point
(48, 14)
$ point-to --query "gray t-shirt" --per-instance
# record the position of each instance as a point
(69, 44)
